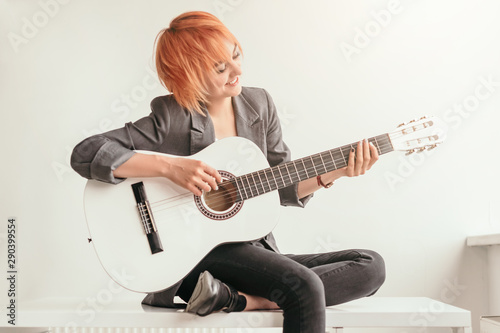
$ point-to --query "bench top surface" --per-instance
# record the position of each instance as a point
(366, 312)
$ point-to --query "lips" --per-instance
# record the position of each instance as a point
(233, 82)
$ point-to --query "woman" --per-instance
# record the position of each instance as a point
(199, 62)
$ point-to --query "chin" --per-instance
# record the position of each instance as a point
(236, 91)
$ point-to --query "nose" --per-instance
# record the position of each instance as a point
(236, 67)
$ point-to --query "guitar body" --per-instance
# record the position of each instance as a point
(186, 227)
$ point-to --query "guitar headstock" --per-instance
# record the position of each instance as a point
(419, 135)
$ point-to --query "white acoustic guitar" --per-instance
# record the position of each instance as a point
(155, 232)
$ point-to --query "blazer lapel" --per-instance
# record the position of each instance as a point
(202, 132)
(248, 122)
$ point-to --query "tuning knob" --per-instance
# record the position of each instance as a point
(409, 152)
(402, 124)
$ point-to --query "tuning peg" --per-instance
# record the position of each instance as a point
(409, 152)
(402, 124)
(421, 150)
(431, 146)
(424, 117)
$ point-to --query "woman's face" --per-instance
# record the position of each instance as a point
(224, 82)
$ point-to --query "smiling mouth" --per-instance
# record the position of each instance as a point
(234, 82)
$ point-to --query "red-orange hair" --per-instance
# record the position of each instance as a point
(186, 51)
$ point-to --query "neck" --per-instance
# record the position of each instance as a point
(220, 107)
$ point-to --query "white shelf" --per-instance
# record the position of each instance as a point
(365, 312)
(483, 240)
(492, 243)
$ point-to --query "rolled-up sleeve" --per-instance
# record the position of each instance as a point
(98, 156)
(277, 153)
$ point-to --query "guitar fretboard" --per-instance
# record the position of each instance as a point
(283, 175)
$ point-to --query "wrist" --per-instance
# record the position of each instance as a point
(323, 184)
(163, 165)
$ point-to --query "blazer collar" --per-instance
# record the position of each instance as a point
(249, 124)
(202, 131)
(202, 128)
(244, 113)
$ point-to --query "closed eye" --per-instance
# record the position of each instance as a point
(221, 67)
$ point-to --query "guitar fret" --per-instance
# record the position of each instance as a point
(378, 146)
(238, 188)
(296, 171)
(273, 174)
(256, 183)
(305, 169)
(281, 175)
(267, 179)
(262, 183)
(388, 144)
(343, 157)
(323, 162)
(289, 175)
(274, 177)
(244, 189)
(256, 188)
(249, 186)
(314, 167)
(333, 159)
(339, 158)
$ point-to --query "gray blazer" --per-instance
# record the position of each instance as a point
(171, 129)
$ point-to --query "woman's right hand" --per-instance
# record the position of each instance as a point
(193, 175)
(190, 174)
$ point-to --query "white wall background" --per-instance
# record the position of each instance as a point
(82, 67)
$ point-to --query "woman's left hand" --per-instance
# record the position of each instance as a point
(362, 159)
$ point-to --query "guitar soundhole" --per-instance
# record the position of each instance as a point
(222, 199)
(221, 204)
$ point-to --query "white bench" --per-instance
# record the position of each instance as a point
(62, 315)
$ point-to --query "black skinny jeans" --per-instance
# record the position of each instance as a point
(302, 285)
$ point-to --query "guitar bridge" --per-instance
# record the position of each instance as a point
(147, 219)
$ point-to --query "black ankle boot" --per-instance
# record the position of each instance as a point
(211, 295)
(236, 302)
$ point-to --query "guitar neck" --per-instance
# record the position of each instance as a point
(283, 175)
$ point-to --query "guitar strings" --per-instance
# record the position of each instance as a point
(386, 144)
(224, 195)
(220, 199)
